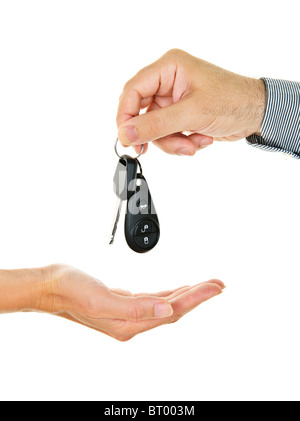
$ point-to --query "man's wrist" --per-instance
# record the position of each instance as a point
(259, 105)
(280, 127)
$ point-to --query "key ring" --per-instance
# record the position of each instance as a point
(142, 150)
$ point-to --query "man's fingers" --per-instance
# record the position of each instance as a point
(157, 123)
(138, 148)
(181, 144)
(177, 143)
(138, 93)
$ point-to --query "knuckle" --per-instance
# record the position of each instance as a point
(144, 71)
(135, 312)
(155, 124)
(175, 52)
(128, 85)
(125, 87)
(92, 304)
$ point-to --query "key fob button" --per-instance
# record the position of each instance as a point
(143, 227)
(146, 241)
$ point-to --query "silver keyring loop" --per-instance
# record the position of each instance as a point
(142, 150)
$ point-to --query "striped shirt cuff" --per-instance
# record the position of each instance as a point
(280, 129)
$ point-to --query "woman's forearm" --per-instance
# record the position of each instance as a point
(20, 289)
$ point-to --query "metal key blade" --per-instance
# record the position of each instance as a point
(116, 220)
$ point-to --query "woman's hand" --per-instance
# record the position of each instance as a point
(189, 103)
(67, 292)
(72, 294)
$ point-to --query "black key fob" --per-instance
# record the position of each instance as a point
(141, 222)
(125, 177)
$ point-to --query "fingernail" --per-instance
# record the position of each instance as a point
(128, 134)
(163, 310)
(185, 151)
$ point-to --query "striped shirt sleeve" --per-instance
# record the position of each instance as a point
(280, 129)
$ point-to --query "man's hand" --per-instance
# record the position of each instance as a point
(72, 294)
(189, 103)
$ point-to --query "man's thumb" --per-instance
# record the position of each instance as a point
(155, 124)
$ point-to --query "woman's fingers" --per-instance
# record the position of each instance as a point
(165, 293)
(181, 304)
(131, 308)
(168, 293)
(192, 298)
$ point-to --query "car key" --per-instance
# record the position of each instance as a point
(124, 185)
(141, 222)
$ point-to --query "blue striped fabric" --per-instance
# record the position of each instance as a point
(280, 129)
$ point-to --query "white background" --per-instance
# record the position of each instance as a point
(231, 212)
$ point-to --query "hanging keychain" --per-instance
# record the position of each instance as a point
(141, 222)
